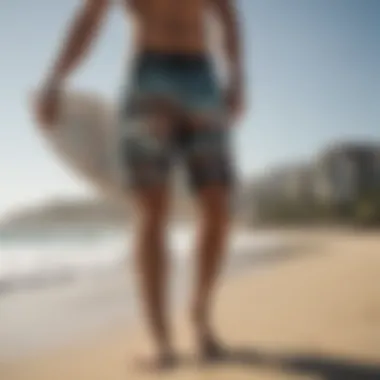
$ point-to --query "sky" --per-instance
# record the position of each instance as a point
(312, 76)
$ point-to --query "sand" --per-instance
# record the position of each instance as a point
(315, 315)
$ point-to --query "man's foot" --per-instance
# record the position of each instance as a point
(162, 362)
(210, 349)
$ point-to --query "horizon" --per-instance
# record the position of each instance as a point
(312, 81)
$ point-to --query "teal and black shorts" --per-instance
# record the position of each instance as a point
(150, 146)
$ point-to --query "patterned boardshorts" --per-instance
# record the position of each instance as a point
(148, 149)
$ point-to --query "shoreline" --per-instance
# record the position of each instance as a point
(53, 264)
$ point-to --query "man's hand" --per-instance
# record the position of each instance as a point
(235, 103)
(226, 12)
(47, 104)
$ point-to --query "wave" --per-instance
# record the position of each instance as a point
(46, 257)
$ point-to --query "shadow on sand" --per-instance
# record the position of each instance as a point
(324, 367)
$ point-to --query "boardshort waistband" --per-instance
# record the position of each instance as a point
(188, 79)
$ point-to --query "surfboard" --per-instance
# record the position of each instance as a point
(85, 139)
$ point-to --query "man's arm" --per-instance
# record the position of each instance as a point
(227, 14)
(81, 34)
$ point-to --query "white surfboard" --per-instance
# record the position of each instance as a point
(86, 139)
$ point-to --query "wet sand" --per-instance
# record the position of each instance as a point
(313, 313)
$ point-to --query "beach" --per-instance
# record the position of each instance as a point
(311, 312)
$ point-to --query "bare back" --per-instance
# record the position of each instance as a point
(170, 25)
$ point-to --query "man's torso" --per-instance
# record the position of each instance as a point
(170, 25)
(172, 61)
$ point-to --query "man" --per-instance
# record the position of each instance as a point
(174, 108)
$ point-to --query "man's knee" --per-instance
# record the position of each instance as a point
(215, 204)
(152, 207)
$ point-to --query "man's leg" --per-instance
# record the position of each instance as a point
(147, 154)
(211, 175)
(151, 260)
(213, 235)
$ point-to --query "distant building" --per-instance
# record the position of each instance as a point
(343, 172)
(337, 176)
(300, 183)
(289, 183)
(377, 169)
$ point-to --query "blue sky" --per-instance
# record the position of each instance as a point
(312, 73)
